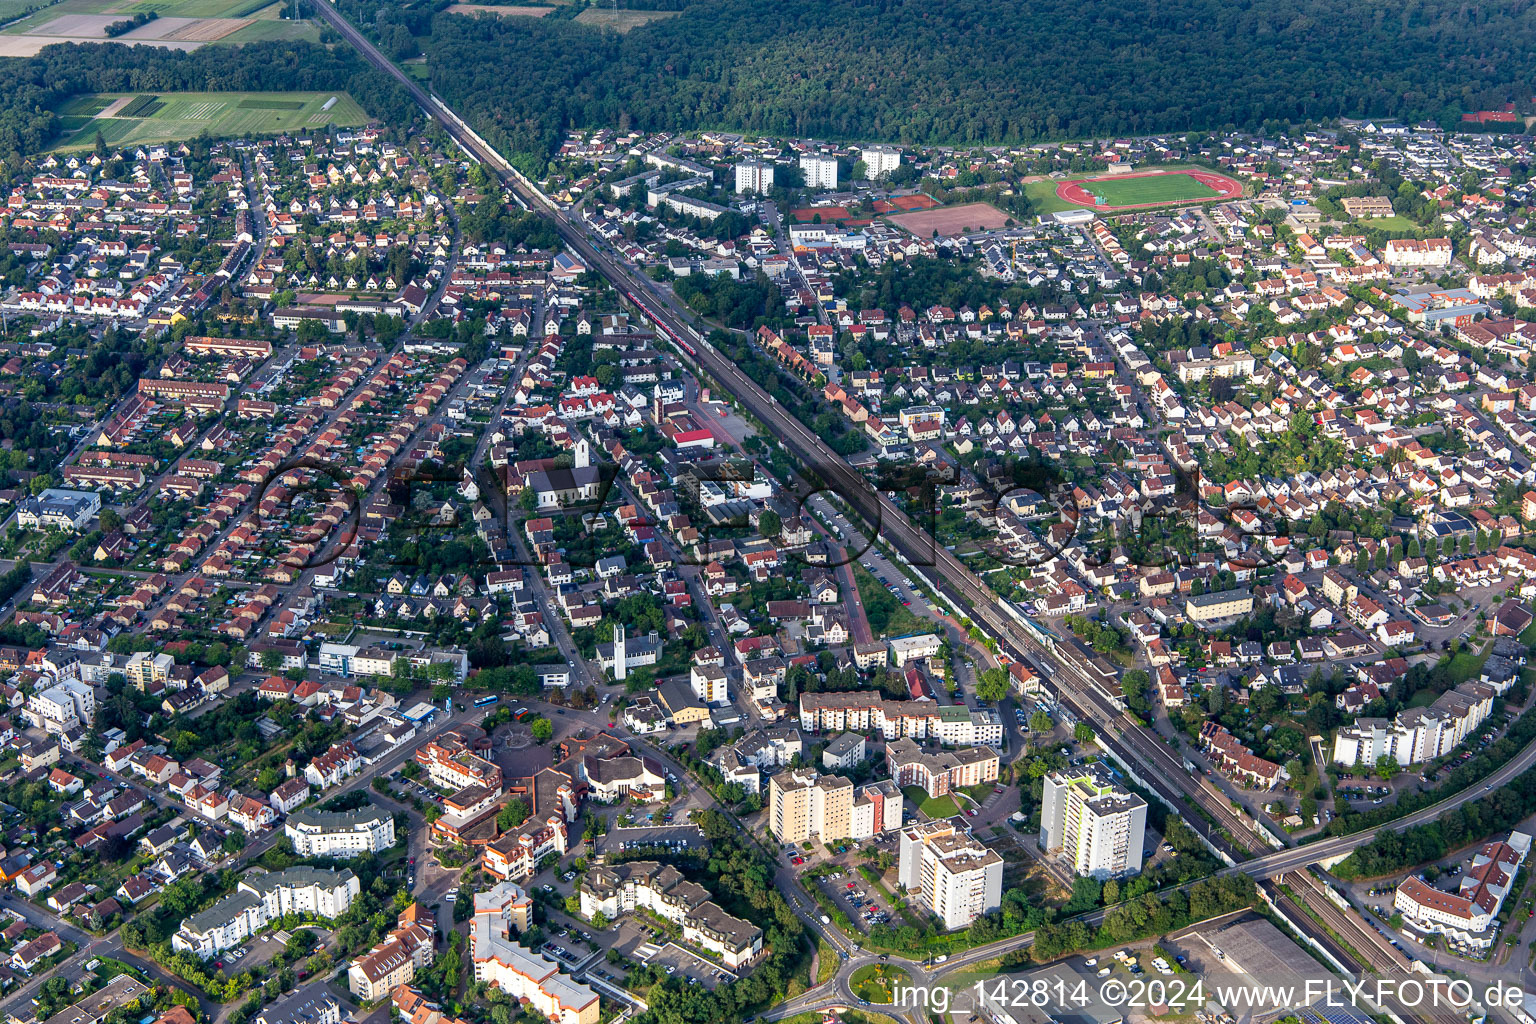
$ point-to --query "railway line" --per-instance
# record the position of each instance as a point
(1160, 769)
(1379, 956)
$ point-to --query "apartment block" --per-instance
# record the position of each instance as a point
(820, 171)
(1096, 824)
(949, 872)
(941, 771)
(519, 973)
(803, 804)
(316, 833)
(261, 899)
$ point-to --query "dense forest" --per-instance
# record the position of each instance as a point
(33, 87)
(970, 71)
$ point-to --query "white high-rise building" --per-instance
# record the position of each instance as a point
(820, 171)
(1097, 824)
(946, 870)
(754, 176)
(880, 160)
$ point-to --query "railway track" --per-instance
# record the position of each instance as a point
(1380, 956)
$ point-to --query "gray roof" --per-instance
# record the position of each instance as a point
(367, 816)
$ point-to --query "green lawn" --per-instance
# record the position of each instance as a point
(1466, 665)
(934, 807)
(177, 116)
(1157, 188)
(1043, 199)
(1396, 222)
(878, 982)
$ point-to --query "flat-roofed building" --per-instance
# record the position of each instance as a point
(949, 872)
(1097, 825)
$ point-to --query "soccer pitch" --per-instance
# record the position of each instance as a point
(1151, 188)
(179, 116)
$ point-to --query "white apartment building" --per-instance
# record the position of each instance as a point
(662, 889)
(880, 161)
(820, 171)
(62, 706)
(754, 176)
(710, 684)
(1418, 734)
(261, 899)
(1415, 252)
(946, 870)
(316, 833)
(1097, 825)
(867, 711)
(1469, 916)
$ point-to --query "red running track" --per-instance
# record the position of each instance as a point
(1075, 192)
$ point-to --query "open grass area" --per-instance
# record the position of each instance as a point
(1043, 199)
(878, 982)
(827, 962)
(177, 116)
(267, 25)
(933, 806)
(1466, 665)
(887, 616)
(1396, 222)
(16, 8)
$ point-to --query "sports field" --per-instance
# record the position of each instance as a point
(125, 119)
(952, 220)
(1153, 188)
(1166, 186)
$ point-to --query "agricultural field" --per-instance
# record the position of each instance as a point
(620, 21)
(499, 10)
(176, 24)
(124, 120)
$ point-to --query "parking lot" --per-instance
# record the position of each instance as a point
(260, 949)
(674, 959)
(862, 901)
(635, 941)
(686, 836)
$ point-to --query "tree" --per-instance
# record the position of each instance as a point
(992, 685)
(769, 525)
(513, 814)
(543, 730)
(1040, 722)
(1082, 732)
(1135, 686)
(1387, 767)
(271, 660)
